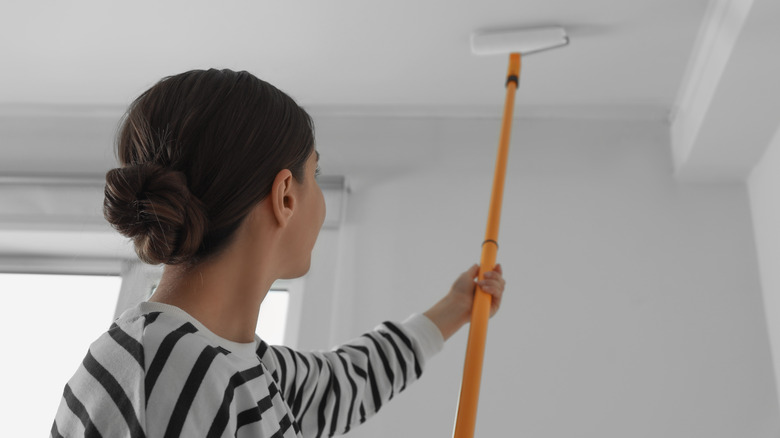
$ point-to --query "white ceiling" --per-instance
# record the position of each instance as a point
(348, 54)
(368, 71)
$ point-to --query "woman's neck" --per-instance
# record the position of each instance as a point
(224, 294)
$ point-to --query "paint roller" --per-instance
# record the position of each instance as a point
(516, 43)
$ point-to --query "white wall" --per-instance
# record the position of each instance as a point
(633, 306)
(764, 186)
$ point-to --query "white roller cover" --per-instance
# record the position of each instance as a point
(523, 41)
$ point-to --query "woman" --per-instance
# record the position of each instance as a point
(217, 181)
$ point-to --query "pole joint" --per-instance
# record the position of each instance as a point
(490, 241)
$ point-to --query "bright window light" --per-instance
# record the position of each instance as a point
(273, 317)
(48, 323)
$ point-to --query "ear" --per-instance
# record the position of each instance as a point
(282, 197)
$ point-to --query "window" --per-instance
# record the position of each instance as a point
(48, 323)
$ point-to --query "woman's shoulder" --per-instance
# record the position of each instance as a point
(145, 340)
(137, 370)
(107, 388)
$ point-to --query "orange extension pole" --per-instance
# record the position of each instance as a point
(466, 420)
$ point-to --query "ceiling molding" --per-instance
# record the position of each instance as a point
(491, 112)
(628, 111)
(723, 120)
(721, 25)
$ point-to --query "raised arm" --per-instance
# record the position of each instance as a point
(331, 392)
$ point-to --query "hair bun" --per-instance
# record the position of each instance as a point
(153, 206)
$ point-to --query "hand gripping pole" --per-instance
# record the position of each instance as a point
(466, 420)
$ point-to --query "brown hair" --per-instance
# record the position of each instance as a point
(197, 151)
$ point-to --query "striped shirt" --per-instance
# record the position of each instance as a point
(159, 372)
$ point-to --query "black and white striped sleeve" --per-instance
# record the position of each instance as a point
(331, 392)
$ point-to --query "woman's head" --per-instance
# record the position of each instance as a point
(197, 152)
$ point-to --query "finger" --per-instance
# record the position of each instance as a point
(490, 281)
(499, 269)
(491, 286)
(473, 271)
(494, 275)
